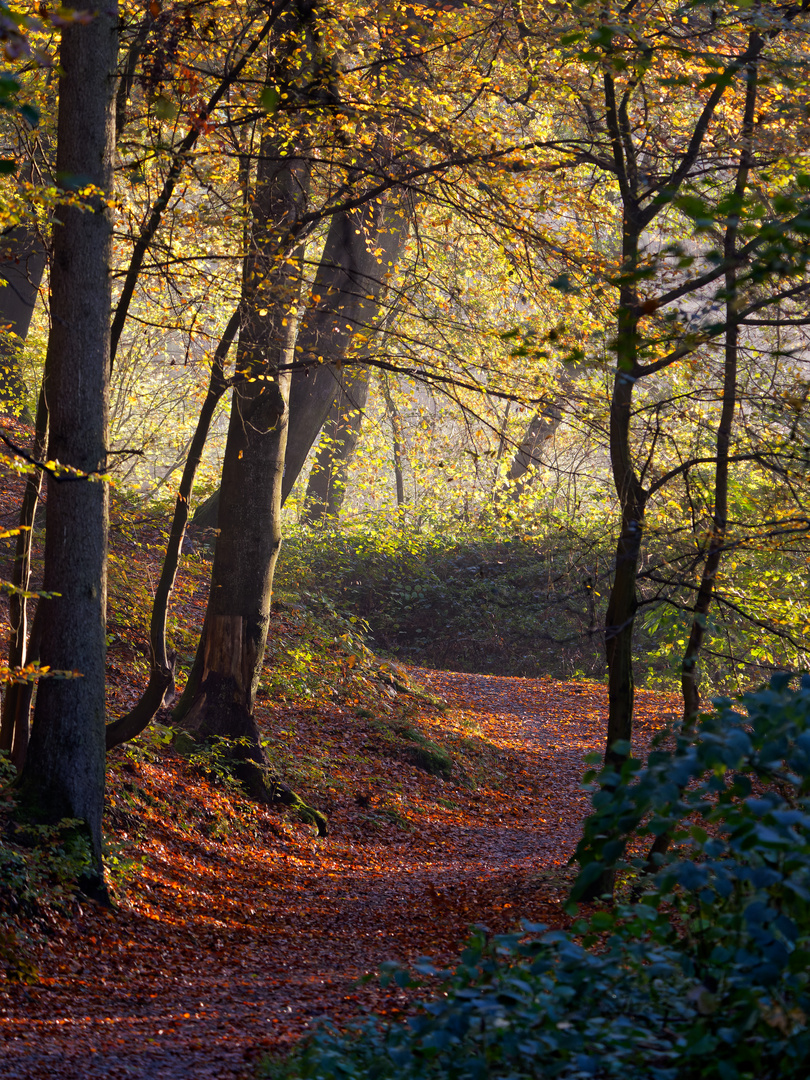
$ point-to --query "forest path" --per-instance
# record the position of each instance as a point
(224, 950)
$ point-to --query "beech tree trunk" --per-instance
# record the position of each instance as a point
(523, 467)
(220, 696)
(326, 488)
(64, 771)
(22, 265)
(361, 252)
(362, 248)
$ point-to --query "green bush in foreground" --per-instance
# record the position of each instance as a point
(705, 977)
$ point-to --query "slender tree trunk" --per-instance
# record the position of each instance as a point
(717, 540)
(17, 700)
(624, 154)
(161, 675)
(398, 441)
(64, 771)
(327, 481)
(622, 604)
(689, 664)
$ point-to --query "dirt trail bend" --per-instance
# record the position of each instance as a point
(224, 949)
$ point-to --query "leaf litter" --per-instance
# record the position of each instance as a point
(236, 927)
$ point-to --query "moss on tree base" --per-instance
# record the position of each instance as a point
(308, 814)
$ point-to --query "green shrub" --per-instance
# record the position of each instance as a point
(458, 596)
(705, 978)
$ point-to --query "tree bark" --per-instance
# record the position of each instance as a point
(219, 702)
(327, 481)
(362, 248)
(64, 771)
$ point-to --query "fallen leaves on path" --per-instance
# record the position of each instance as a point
(242, 928)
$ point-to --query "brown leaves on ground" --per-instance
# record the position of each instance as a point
(242, 928)
(236, 926)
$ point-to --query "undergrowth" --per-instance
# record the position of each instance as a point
(468, 599)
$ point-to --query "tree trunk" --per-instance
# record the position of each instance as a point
(689, 670)
(22, 265)
(398, 441)
(361, 250)
(327, 481)
(64, 771)
(527, 457)
(17, 700)
(622, 605)
(717, 540)
(621, 610)
(161, 675)
(220, 700)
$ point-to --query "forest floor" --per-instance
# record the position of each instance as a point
(453, 800)
(225, 948)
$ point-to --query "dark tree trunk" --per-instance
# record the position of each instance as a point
(327, 481)
(624, 166)
(621, 610)
(220, 699)
(689, 664)
(64, 771)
